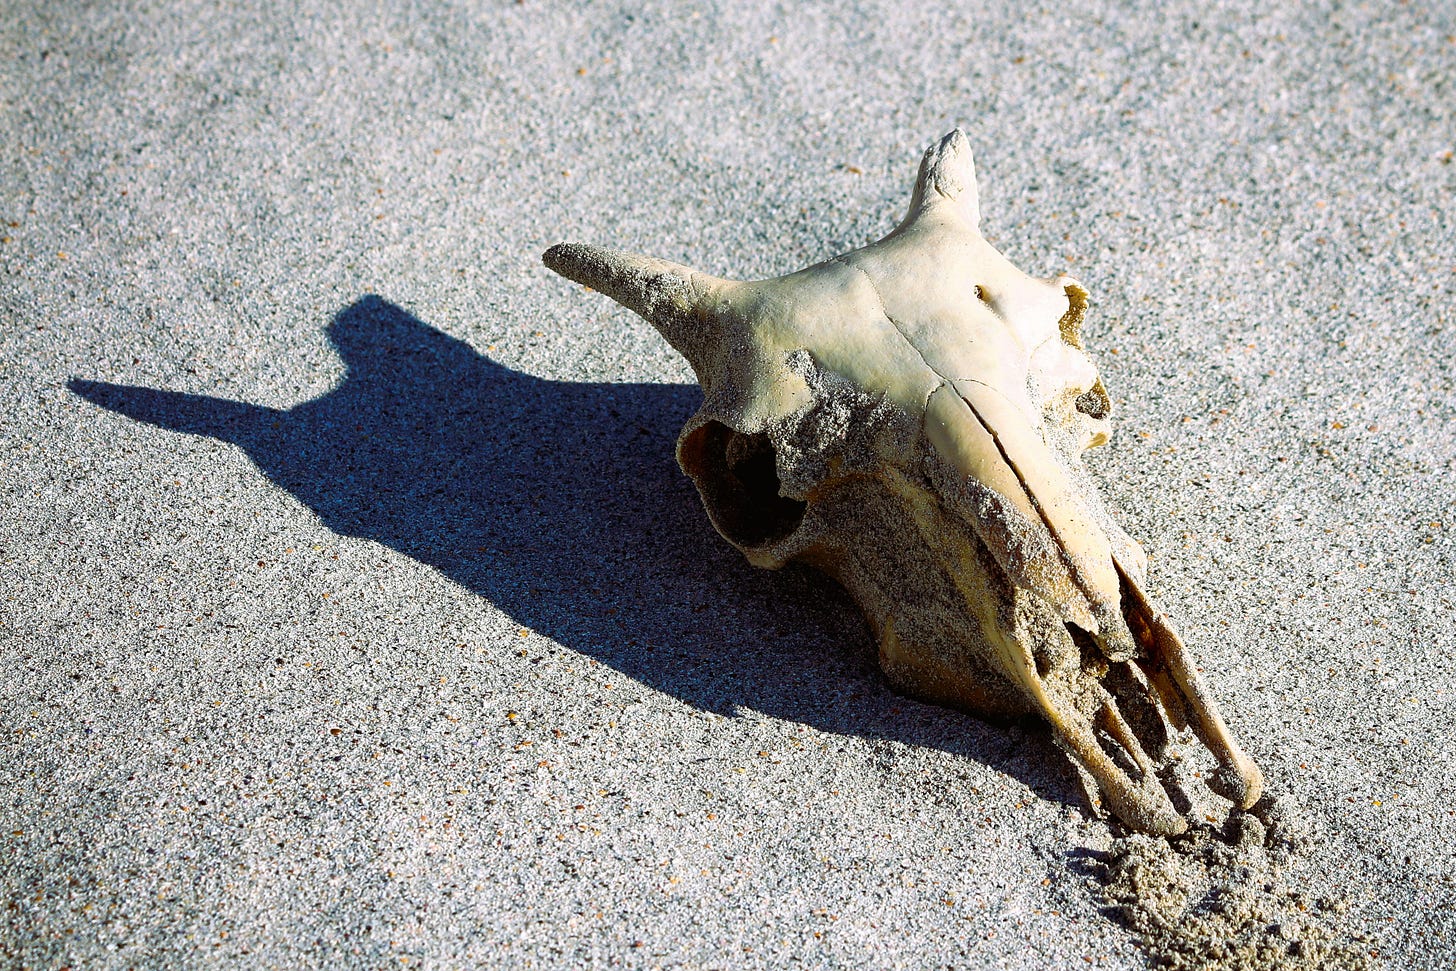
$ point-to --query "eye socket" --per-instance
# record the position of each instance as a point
(1094, 402)
(737, 475)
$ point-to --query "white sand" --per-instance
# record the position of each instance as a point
(271, 658)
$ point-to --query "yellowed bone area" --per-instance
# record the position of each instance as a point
(959, 435)
(1072, 702)
(1015, 658)
(1041, 476)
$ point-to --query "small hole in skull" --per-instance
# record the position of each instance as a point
(980, 293)
(1094, 402)
(737, 475)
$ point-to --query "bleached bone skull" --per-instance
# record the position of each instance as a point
(910, 417)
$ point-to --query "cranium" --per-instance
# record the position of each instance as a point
(909, 417)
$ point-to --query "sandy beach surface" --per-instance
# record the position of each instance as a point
(353, 610)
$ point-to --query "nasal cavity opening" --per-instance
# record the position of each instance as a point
(737, 475)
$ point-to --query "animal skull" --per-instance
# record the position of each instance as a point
(909, 417)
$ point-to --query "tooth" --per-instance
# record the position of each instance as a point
(1238, 779)
(1111, 721)
(1141, 804)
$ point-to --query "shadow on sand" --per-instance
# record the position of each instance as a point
(561, 504)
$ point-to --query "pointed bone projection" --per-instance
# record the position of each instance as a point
(910, 417)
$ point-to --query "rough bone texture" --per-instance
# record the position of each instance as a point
(909, 417)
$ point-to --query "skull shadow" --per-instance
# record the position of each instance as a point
(561, 504)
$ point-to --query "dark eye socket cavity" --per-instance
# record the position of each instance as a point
(1094, 402)
(737, 476)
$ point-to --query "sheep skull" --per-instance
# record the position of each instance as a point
(909, 417)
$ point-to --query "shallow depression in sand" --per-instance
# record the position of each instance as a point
(1219, 897)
